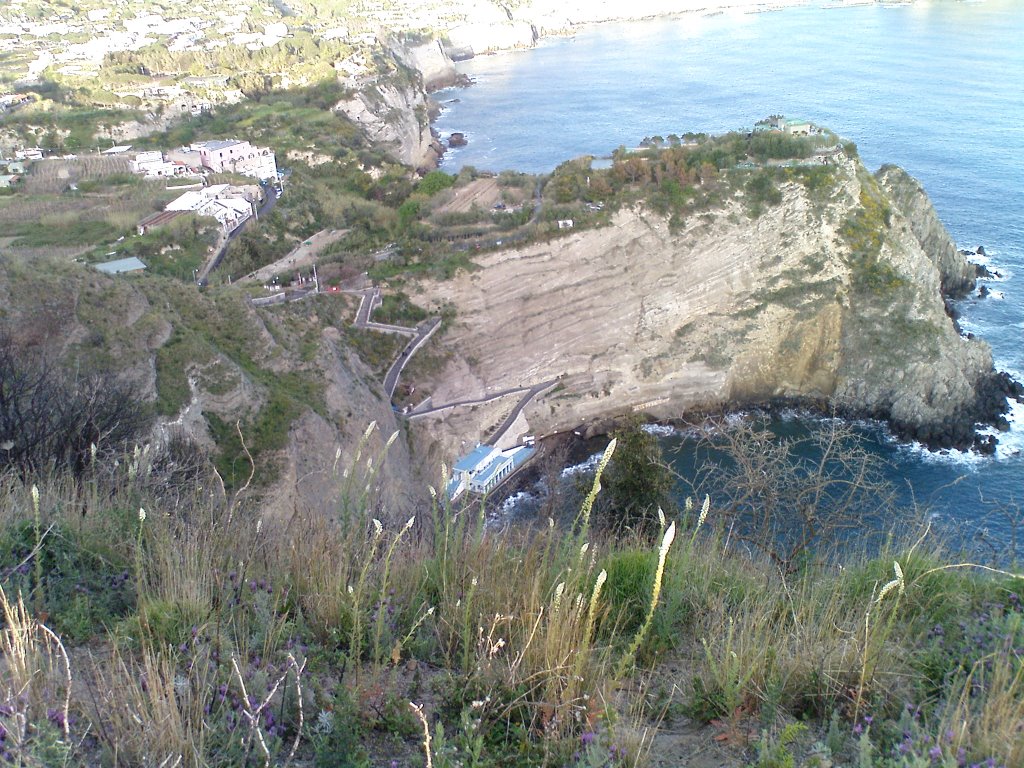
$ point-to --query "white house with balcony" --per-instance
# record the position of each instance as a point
(236, 156)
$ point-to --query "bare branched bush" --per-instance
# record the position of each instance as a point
(788, 498)
(53, 419)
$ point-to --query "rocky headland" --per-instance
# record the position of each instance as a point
(837, 302)
(389, 99)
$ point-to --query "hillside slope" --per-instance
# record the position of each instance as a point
(290, 377)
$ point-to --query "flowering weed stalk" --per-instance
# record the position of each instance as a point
(630, 655)
(383, 591)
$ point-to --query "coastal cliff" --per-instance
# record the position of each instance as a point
(431, 60)
(389, 102)
(836, 302)
(957, 274)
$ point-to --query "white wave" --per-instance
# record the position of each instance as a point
(997, 275)
(979, 258)
(1010, 444)
(950, 457)
(582, 468)
(661, 430)
(510, 504)
(736, 418)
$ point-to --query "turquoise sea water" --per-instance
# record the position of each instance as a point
(936, 87)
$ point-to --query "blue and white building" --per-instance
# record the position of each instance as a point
(485, 468)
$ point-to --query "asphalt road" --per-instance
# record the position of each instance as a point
(422, 333)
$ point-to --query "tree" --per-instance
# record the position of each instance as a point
(434, 182)
(787, 497)
(637, 483)
(408, 212)
(50, 419)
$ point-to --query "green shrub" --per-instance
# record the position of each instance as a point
(627, 590)
(162, 623)
(761, 191)
(338, 734)
(434, 182)
(81, 590)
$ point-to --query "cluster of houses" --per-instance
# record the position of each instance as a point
(217, 156)
(10, 172)
(229, 205)
(103, 30)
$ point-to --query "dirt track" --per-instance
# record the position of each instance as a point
(483, 192)
(302, 256)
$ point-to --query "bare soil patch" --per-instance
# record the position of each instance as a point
(484, 193)
(302, 256)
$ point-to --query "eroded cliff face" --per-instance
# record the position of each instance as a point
(958, 276)
(393, 110)
(431, 60)
(727, 311)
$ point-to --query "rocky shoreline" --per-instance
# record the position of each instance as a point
(943, 402)
(958, 432)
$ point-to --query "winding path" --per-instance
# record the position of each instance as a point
(370, 300)
(423, 332)
(204, 274)
(533, 391)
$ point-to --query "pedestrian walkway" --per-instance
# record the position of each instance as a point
(369, 301)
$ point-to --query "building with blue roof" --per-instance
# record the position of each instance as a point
(121, 266)
(485, 468)
(472, 461)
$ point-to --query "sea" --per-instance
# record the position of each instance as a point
(936, 87)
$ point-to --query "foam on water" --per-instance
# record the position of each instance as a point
(1010, 444)
(583, 467)
(517, 499)
(949, 457)
(661, 430)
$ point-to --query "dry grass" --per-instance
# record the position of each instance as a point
(529, 628)
(35, 692)
(46, 214)
(986, 708)
(51, 177)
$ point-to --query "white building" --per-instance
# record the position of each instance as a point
(235, 156)
(152, 165)
(30, 153)
(485, 468)
(222, 202)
